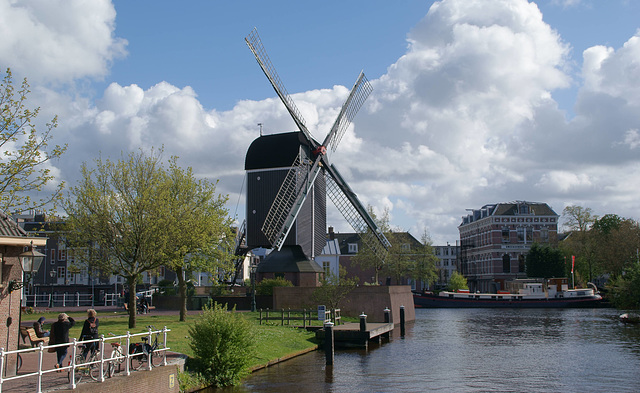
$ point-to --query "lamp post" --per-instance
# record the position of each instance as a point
(30, 262)
(253, 286)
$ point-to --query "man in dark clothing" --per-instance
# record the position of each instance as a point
(60, 334)
(37, 326)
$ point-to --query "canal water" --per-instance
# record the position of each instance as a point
(477, 350)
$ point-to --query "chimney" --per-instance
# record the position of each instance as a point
(332, 235)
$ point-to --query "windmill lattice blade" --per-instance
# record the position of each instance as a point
(289, 200)
(358, 95)
(255, 44)
(348, 204)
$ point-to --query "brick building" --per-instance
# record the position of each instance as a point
(495, 239)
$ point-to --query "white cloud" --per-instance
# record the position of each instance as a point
(58, 40)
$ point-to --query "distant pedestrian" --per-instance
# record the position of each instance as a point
(60, 334)
(37, 326)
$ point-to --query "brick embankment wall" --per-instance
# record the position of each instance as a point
(372, 300)
(159, 380)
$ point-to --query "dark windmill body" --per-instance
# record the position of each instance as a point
(289, 177)
(267, 163)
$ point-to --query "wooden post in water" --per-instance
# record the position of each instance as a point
(363, 322)
(402, 321)
(328, 342)
(387, 319)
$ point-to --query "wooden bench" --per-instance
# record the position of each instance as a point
(35, 340)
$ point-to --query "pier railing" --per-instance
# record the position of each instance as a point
(304, 315)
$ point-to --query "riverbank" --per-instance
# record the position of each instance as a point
(274, 343)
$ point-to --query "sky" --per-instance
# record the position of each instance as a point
(474, 102)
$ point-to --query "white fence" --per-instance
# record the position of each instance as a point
(102, 361)
(79, 299)
(69, 300)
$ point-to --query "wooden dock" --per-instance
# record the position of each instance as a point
(349, 335)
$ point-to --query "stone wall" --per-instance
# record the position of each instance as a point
(372, 300)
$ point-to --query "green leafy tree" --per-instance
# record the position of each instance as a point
(198, 226)
(334, 288)
(457, 281)
(545, 262)
(118, 216)
(624, 290)
(424, 267)
(24, 151)
(365, 258)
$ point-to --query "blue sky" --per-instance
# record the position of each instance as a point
(474, 102)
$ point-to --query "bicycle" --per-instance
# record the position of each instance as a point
(90, 366)
(146, 350)
(117, 357)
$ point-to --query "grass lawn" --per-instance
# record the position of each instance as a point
(273, 341)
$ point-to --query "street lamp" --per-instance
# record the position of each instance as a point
(30, 262)
(253, 268)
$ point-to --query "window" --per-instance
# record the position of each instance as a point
(353, 248)
(521, 266)
(529, 234)
(523, 209)
(505, 235)
(53, 256)
(544, 234)
(406, 247)
(506, 263)
(446, 251)
(61, 272)
(437, 250)
(62, 254)
(326, 266)
(520, 231)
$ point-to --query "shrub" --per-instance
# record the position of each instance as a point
(223, 344)
(265, 287)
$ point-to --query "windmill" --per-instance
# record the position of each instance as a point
(286, 203)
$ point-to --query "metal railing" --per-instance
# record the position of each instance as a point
(69, 300)
(102, 361)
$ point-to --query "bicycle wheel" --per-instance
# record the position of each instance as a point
(94, 369)
(137, 361)
(79, 370)
(115, 361)
(157, 357)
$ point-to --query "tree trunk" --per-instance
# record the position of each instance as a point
(182, 290)
(131, 281)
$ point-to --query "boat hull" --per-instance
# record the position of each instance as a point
(435, 301)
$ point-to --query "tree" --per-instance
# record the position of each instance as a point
(424, 268)
(199, 228)
(457, 281)
(544, 262)
(118, 216)
(24, 151)
(625, 289)
(365, 257)
(578, 218)
(334, 288)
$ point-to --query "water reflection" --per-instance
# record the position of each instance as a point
(477, 350)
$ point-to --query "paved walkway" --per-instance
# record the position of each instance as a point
(53, 380)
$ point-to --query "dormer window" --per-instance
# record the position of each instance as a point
(353, 248)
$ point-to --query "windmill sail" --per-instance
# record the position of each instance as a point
(255, 44)
(354, 212)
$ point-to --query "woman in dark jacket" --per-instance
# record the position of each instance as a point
(60, 334)
(89, 332)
